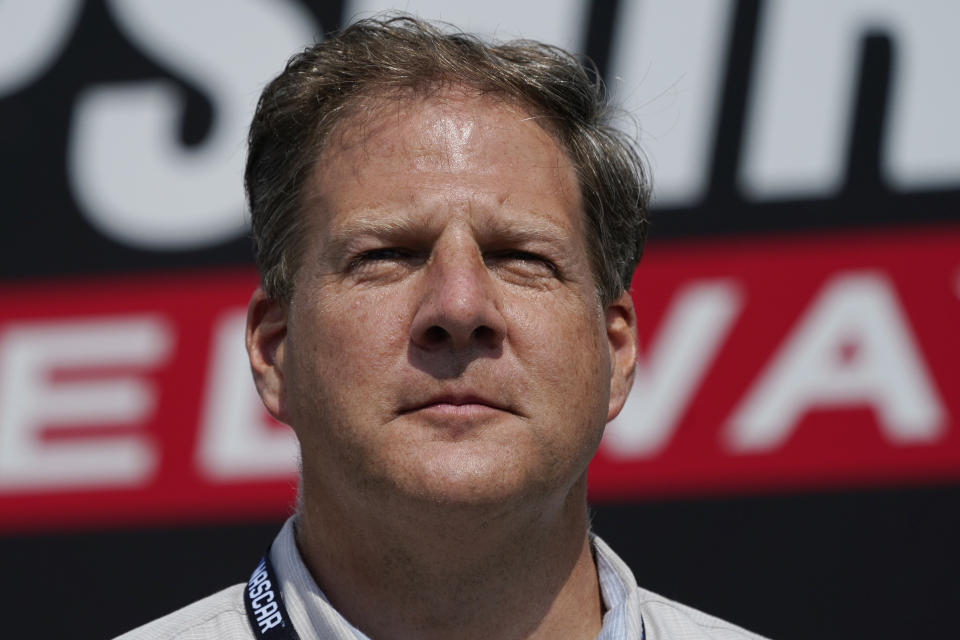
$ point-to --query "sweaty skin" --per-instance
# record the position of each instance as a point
(448, 369)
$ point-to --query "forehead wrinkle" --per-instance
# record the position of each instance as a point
(523, 226)
(424, 227)
(378, 226)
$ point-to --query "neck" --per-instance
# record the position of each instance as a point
(494, 572)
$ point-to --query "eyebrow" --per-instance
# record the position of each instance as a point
(386, 227)
(404, 227)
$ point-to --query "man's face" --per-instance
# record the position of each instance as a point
(444, 341)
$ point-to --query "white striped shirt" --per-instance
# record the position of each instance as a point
(630, 610)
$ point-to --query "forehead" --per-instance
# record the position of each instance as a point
(457, 146)
(456, 117)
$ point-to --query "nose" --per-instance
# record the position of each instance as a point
(459, 308)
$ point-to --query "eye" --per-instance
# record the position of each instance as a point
(522, 263)
(389, 253)
(383, 256)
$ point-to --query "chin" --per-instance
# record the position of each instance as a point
(470, 480)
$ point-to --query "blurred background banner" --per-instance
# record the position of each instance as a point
(790, 453)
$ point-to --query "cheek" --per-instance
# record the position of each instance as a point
(566, 347)
(566, 363)
(340, 351)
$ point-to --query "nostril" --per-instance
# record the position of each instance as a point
(435, 335)
(483, 333)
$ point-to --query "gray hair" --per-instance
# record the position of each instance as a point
(386, 54)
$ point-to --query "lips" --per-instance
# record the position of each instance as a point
(457, 404)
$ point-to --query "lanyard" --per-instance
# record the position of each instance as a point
(264, 604)
(267, 614)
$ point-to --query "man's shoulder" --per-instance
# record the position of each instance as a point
(221, 615)
(666, 618)
(661, 617)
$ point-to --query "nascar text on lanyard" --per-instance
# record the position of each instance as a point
(264, 603)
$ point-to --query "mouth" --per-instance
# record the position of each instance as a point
(457, 405)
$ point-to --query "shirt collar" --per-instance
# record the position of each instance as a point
(314, 617)
(621, 598)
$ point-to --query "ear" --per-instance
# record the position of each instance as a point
(622, 340)
(265, 337)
